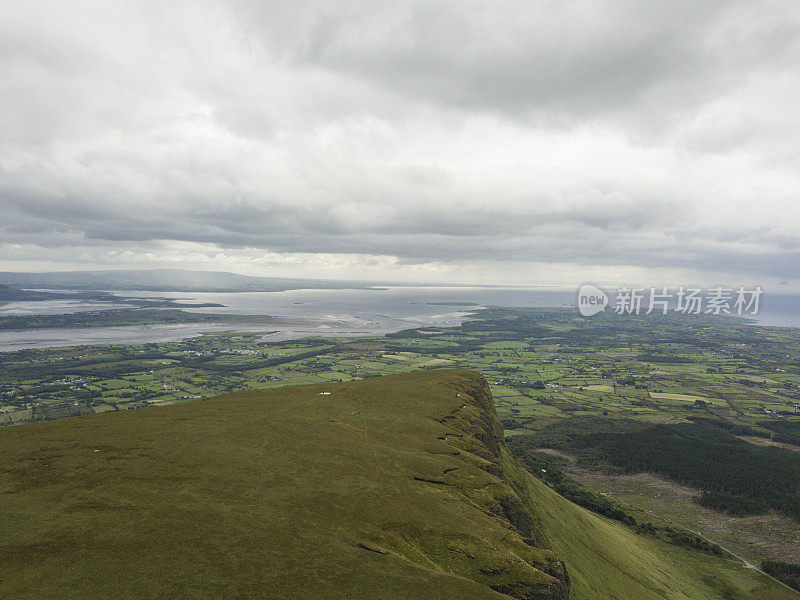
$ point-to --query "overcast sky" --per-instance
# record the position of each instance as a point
(529, 142)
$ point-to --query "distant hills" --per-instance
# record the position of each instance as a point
(390, 488)
(167, 280)
(14, 294)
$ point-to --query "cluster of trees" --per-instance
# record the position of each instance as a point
(85, 394)
(738, 506)
(787, 432)
(742, 478)
(732, 428)
(206, 362)
(664, 359)
(689, 540)
(788, 573)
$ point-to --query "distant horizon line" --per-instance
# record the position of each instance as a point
(386, 282)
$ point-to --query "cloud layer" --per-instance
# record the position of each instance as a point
(455, 139)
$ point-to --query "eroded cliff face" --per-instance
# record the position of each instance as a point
(476, 434)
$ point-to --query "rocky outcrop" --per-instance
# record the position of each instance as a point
(477, 434)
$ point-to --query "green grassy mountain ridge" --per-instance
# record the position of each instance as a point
(394, 487)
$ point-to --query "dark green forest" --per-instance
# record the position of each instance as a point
(736, 476)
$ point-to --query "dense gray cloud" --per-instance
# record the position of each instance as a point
(389, 138)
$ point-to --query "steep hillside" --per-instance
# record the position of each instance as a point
(398, 487)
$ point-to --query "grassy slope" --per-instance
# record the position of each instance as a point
(264, 495)
(290, 494)
(606, 560)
